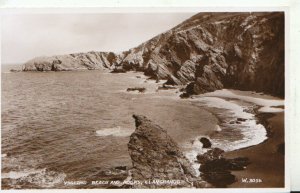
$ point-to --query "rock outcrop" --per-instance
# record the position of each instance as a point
(78, 61)
(210, 50)
(206, 142)
(217, 170)
(139, 89)
(155, 156)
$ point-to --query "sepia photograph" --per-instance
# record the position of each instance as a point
(143, 100)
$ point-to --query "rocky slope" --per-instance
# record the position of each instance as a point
(209, 51)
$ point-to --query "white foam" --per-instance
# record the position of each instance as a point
(191, 156)
(18, 174)
(115, 131)
(253, 133)
(218, 128)
(46, 178)
(192, 150)
(40, 177)
(270, 110)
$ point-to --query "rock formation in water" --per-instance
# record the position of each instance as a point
(206, 142)
(217, 170)
(208, 51)
(155, 156)
(139, 89)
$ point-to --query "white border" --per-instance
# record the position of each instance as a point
(117, 7)
(141, 3)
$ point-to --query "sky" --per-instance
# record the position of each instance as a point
(25, 36)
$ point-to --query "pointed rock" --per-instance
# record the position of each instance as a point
(155, 156)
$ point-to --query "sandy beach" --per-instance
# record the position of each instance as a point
(267, 164)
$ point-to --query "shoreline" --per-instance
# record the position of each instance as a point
(267, 164)
(262, 118)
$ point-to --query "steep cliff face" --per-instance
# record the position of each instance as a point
(209, 51)
(78, 61)
(217, 50)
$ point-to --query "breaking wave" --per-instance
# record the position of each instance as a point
(115, 131)
(39, 177)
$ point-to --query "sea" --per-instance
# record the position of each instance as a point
(62, 126)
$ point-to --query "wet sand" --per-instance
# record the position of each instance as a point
(267, 164)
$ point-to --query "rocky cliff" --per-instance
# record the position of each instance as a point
(208, 51)
(216, 50)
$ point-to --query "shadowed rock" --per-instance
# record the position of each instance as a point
(189, 90)
(13, 70)
(219, 179)
(241, 119)
(166, 87)
(206, 143)
(238, 163)
(140, 89)
(156, 156)
(215, 153)
(216, 170)
(118, 70)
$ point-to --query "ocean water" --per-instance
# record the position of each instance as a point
(60, 126)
